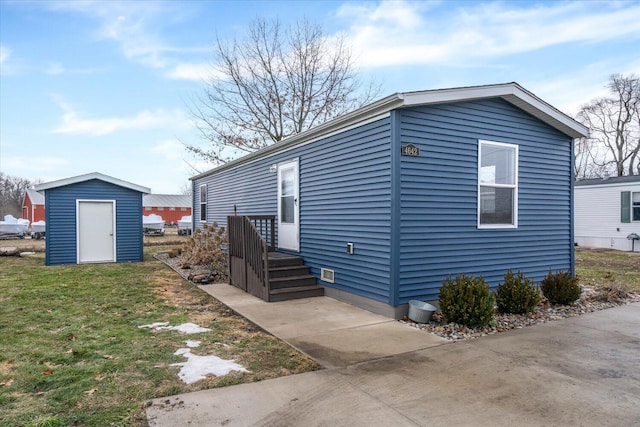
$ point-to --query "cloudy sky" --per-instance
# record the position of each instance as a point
(103, 86)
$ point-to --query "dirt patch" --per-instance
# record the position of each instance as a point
(6, 366)
(179, 292)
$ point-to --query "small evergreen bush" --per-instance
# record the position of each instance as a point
(560, 288)
(467, 300)
(517, 294)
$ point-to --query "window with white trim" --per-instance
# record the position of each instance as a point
(635, 206)
(497, 185)
(203, 202)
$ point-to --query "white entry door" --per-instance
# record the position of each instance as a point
(96, 230)
(288, 206)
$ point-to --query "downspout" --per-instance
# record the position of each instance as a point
(394, 244)
(571, 219)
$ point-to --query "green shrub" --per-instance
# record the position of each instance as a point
(517, 294)
(560, 288)
(467, 300)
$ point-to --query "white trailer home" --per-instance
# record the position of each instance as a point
(607, 213)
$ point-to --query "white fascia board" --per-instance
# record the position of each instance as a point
(90, 176)
(511, 92)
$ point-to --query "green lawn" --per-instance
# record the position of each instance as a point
(71, 352)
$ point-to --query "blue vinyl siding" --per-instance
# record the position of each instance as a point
(61, 242)
(345, 196)
(438, 229)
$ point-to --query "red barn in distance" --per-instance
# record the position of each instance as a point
(33, 206)
(171, 207)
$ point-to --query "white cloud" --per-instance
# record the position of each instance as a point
(136, 41)
(4, 54)
(570, 91)
(55, 69)
(196, 71)
(73, 123)
(33, 166)
(138, 28)
(400, 33)
(7, 66)
(170, 149)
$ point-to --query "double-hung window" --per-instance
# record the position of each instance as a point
(203, 203)
(497, 185)
(635, 206)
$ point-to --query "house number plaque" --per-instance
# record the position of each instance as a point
(410, 150)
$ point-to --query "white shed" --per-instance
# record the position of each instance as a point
(606, 211)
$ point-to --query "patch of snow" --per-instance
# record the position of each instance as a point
(154, 325)
(185, 328)
(193, 344)
(197, 367)
(189, 328)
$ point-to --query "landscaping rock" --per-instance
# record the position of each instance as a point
(590, 300)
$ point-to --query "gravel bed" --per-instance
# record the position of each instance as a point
(176, 264)
(589, 301)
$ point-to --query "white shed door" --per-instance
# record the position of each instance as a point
(96, 231)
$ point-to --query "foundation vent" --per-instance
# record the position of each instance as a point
(326, 275)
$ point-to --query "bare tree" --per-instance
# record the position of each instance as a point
(614, 125)
(185, 189)
(584, 153)
(12, 190)
(272, 84)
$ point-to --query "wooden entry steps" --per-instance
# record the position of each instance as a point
(290, 279)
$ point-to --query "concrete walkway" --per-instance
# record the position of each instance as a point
(580, 371)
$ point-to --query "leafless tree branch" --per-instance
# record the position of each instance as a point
(614, 124)
(272, 84)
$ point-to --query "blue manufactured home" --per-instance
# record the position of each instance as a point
(383, 203)
(93, 218)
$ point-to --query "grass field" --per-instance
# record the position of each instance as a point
(71, 351)
(604, 267)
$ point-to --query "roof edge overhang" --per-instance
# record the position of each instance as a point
(510, 92)
(90, 176)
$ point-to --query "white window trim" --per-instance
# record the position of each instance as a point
(514, 186)
(631, 206)
(203, 203)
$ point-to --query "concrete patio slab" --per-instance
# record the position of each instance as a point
(581, 371)
(332, 332)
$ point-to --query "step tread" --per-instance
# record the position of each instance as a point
(295, 290)
(291, 278)
(288, 267)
